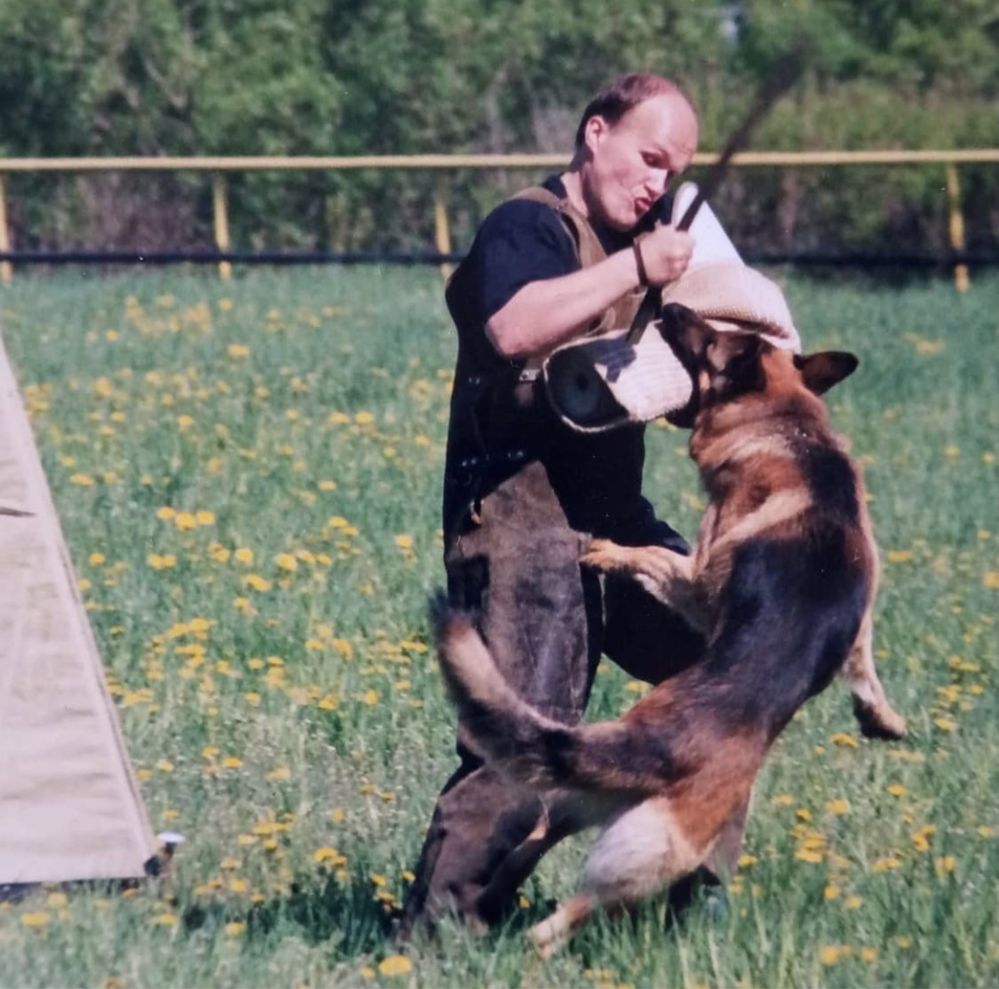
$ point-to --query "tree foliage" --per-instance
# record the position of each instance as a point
(157, 77)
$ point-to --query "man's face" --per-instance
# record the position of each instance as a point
(631, 162)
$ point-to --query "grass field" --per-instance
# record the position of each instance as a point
(248, 476)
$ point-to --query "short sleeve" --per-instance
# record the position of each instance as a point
(519, 242)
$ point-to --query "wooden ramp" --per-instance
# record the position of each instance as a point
(70, 807)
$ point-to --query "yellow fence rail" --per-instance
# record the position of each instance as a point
(218, 166)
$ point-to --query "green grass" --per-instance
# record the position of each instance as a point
(305, 413)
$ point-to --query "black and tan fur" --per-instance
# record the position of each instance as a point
(782, 583)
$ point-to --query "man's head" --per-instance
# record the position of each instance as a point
(633, 137)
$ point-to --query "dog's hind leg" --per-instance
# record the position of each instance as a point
(564, 814)
(877, 718)
(638, 854)
(668, 576)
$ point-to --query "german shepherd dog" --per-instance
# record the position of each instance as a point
(782, 582)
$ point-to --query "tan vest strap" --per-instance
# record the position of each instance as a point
(588, 246)
(589, 250)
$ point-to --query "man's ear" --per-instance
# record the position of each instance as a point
(594, 130)
(821, 371)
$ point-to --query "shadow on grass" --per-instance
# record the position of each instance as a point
(319, 908)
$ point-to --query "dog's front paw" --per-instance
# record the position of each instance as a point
(602, 554)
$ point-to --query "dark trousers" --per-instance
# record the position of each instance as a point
(546, 621)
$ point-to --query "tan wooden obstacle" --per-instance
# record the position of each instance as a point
(70, 807)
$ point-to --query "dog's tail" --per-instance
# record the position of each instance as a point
(530, 747)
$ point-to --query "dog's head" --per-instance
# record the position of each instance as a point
(724, 365)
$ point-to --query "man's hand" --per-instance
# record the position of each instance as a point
(665, 254)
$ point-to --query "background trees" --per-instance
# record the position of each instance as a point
(157, 77)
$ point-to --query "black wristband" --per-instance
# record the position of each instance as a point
(639, 261)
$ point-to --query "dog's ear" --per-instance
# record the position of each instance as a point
(821, 371)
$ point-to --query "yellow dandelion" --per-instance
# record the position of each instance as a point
(225, 304)
(888, 863)
(853, 902)
(96, 559)
(232, 762)
(945, 724)
(844, 740)
(328, 856)
(991, 579)
(904, 942)
(945, 865)
(395, 965)
(234, 928)
(166, 919)
(278, 775)
(869, 955)
(745, 861)
(243, 555)
(897, 790)
(812, 855)
(838, 807)
(37, 919)
(364, 418)
(326, 485)
(783, 800)
(369, 697)
(831, 892)
(337, 815)
(286, 561)
(832, 954)
(204, 517)
(257, 583)
(185, 521)
(238, 350)
(83, 480)
(899, 555)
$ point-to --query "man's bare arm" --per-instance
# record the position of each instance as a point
(546, 313)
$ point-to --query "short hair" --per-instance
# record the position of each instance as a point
(623, 94)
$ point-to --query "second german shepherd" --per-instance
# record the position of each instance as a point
(782, 583)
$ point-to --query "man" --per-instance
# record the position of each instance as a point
(523, 493)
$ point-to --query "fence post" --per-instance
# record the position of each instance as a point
(220, 210)
(6, 268)
(442, 232)
(956, 226)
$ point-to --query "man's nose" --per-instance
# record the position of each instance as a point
(656, 182)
